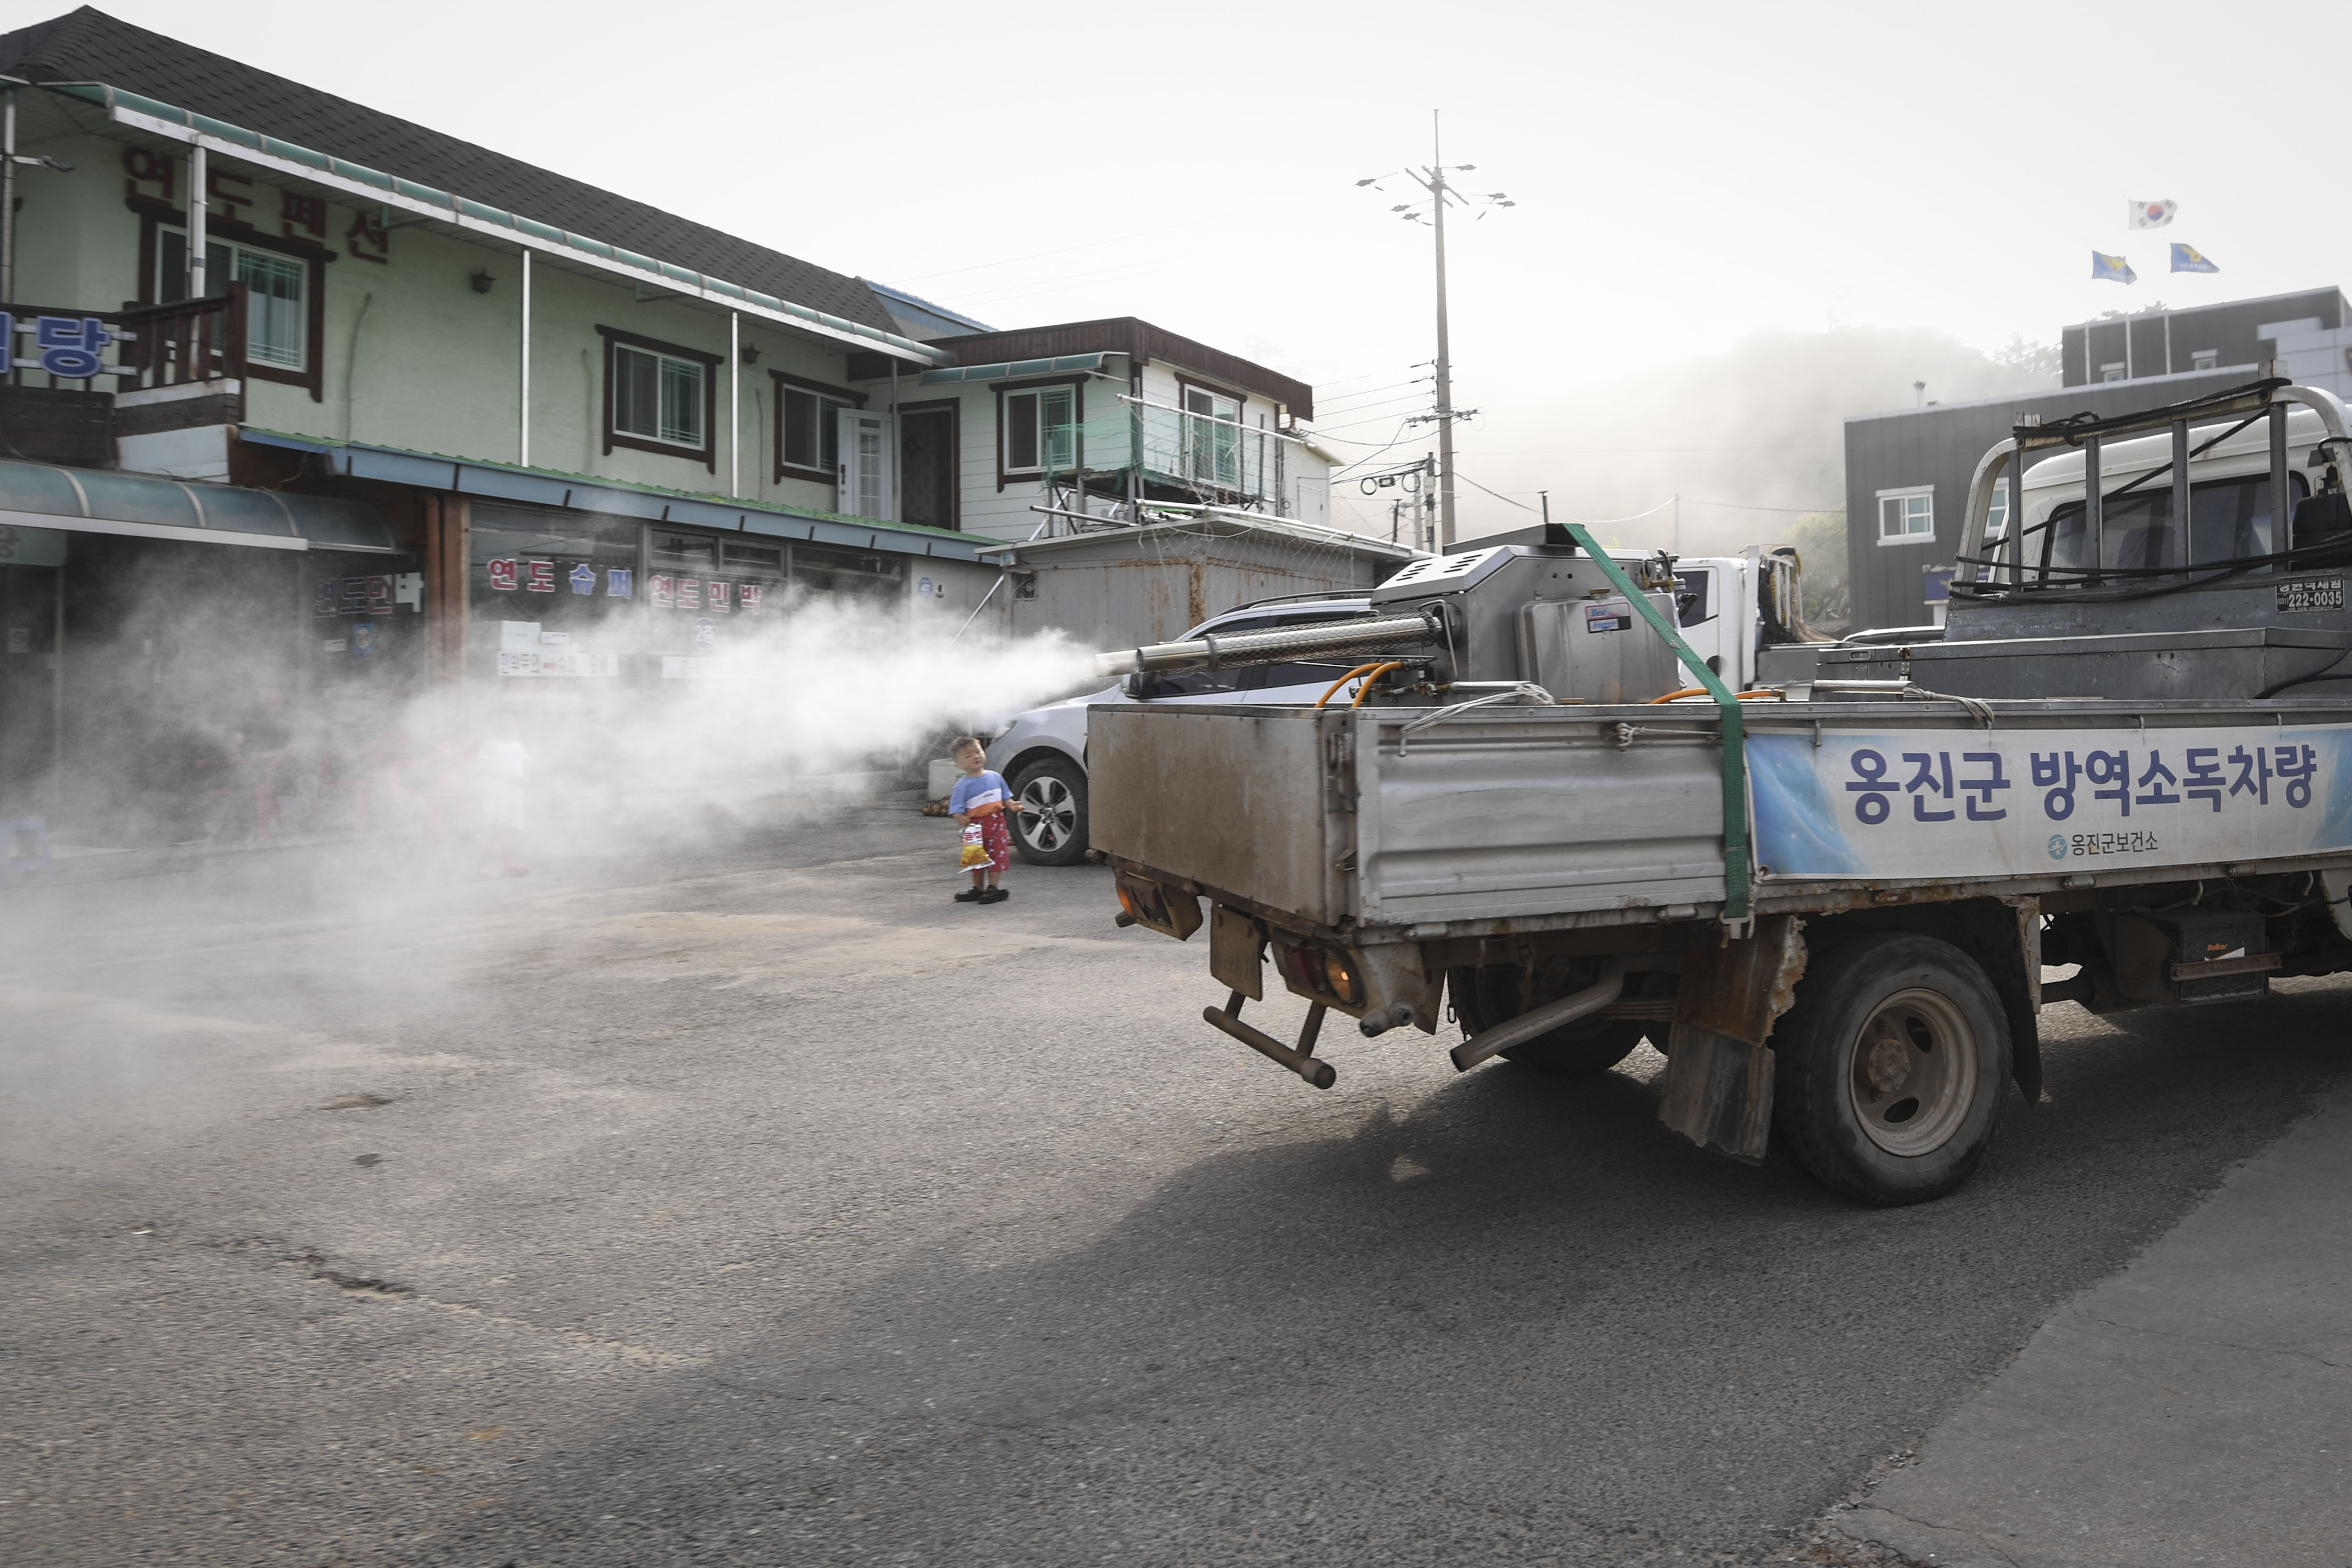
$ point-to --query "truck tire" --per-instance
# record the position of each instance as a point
(1889, 1069)
(1488, 995)
(1055, 833)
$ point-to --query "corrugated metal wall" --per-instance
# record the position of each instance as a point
(1123, 590)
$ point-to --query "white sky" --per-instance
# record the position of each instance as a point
(1685, 173)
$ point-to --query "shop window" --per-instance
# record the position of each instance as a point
(848, 573)
(770, 558)
(558, 594)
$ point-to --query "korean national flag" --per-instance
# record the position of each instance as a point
(2111, 270)
(2188, 258)
(2152, 214)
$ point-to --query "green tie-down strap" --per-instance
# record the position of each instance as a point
(1735, 733)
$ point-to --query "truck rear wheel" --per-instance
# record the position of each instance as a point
(1053, 832)
(1890, 1068)
(1487, 995)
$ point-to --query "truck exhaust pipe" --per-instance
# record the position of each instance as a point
(1543, 1019)
(1388, 633)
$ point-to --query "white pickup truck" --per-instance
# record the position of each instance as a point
(1043, 753)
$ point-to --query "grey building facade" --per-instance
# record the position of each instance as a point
(2206, 337)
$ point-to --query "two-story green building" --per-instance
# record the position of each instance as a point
(310, 404)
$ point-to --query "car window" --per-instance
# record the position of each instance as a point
(1274, 622)
(1191, 683)
(1692, 595)
(1270, 677)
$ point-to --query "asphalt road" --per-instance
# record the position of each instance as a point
(757, 1204)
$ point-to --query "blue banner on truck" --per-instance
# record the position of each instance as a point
(1949, 803)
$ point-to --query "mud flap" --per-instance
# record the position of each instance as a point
(1719, 1092)
(1717, 1087)
(2020, 991)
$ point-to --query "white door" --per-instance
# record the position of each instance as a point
(864, 475)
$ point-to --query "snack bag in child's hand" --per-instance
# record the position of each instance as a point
(975, 852)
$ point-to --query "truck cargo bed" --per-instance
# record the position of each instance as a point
(1383, 822)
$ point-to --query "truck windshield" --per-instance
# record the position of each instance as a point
(2228, 519)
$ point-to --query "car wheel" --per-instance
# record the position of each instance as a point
(1890, 1068)
(1053, 830)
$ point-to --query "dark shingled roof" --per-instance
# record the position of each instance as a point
(88, 45)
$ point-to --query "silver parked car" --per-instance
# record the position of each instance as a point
(1043, 754)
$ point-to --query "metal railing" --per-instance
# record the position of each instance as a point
(1216, 460)
(176, 344)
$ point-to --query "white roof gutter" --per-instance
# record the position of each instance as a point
(373, 187)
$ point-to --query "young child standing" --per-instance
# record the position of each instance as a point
(982, 797)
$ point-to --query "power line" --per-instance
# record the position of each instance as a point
(1496, 494)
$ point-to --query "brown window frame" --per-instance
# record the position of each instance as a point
(156, 216)
(780, 380)
(1078, 385)
(709, 452)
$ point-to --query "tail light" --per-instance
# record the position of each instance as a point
(1165, 910)
(1322, 972)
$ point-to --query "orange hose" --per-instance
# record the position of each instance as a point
(1342, 681)
(1701, 691)
(1378, 671)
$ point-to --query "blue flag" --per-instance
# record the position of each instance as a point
(2111, 270)
(2188, 258)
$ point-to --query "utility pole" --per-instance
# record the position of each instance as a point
(1445, 352)
(8, 211)
(1433, 180)
(1429, 507)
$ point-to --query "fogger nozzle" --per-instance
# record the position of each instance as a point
(1388, 633)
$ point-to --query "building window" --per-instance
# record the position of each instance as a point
(1907, 517)
(658, 397)
(808, 429)
(2114, 372)
(1040, 429)
(2205, 359)
(276, 313)
(1212, 445)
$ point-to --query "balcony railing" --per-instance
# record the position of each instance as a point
(135, 349)
(1215, 460)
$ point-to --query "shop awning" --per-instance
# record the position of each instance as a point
(1012, 368)
(100, 501)
(580, 493)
